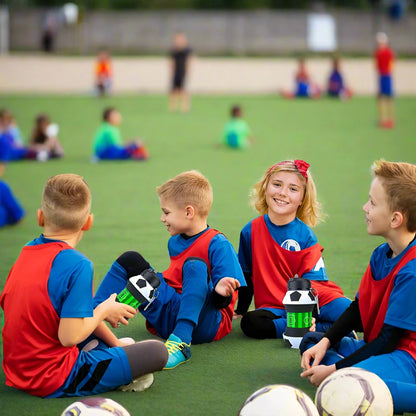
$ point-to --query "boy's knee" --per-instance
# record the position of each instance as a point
(259, 324)
(133, 262)
(195, 266)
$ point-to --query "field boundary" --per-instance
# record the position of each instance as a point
(36, 73)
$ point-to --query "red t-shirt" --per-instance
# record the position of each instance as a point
(384, 58)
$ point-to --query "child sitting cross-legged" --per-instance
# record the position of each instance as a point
(384, 306)
(197, 292)
(48, 310)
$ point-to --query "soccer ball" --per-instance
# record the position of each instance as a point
(95, 406)
(278, 399)
(353, 391)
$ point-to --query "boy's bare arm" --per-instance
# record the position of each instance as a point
(72, 331)
(104, 333)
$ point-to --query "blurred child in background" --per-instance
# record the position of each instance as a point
(44, 139)
(384, 60)
(237, 133)
(103, 73)
(11, 144)
(180, 62)
(336, 86)
(11, 212)
(304, 87)
(108, 143)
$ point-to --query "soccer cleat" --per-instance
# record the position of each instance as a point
(179, 352)
(139, 384)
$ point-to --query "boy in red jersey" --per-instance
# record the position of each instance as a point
(197, 293)
(384, 59)
(48, 310)
(384, 306)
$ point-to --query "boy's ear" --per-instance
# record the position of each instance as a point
(88, 223)
(190, 211)
(40, 217)
(397, 219)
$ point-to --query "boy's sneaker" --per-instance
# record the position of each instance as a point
(179, 352)
(139, 384)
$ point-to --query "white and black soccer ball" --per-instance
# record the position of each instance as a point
(95, 406)
(145, 285)
(278, 400)
(353, 391)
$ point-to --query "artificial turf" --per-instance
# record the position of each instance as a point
(340, 141)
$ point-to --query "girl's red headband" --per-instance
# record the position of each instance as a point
(301, 166)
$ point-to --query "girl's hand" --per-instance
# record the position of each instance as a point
(318, 374)
(315, 354)
(226, 286)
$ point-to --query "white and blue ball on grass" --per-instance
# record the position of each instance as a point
(95, 406)
(353, 391)
(278, 400)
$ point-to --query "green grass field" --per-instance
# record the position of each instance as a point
(339, 140)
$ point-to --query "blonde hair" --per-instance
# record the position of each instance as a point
(310, 210)
(66, 202)
(188, 188)
(399, 182)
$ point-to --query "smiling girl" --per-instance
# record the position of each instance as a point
(280, 244)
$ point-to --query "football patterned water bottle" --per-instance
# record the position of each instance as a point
(139, 289)
(299, 302)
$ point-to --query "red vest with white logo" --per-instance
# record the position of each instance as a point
(173, 275)
(34, 360)
(373, 300)
(273, 266)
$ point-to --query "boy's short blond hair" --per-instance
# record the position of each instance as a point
(310, 210)
(66, 202)
(188, 188)
(399, 182)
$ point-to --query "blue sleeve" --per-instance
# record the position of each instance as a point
(244, 250)
(223, 260)
(12, 210)
(70, 285)
(401, 312)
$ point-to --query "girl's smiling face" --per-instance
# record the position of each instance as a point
(284, 195)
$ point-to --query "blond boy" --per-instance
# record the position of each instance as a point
(384, 306)
(197, 292)
(48, 309)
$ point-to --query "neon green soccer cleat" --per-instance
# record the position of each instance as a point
(179, 352)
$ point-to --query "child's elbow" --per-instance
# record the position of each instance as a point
(67, 341)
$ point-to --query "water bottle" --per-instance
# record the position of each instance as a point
(139, 289)
(299, 302)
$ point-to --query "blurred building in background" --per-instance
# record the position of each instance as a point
(213, 32)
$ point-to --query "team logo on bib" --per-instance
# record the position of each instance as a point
(291, 245)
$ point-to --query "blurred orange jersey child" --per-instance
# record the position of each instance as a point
(103, 73)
